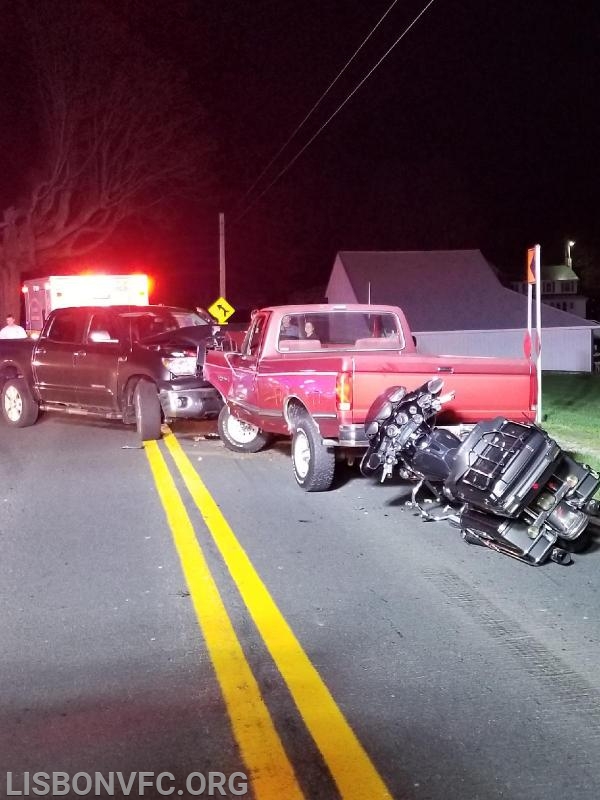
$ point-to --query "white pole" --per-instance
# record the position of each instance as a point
(369, 293)
(538, 321)
(222, 255)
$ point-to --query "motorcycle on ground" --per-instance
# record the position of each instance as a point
(507, 485)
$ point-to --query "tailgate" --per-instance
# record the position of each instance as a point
(484, 387)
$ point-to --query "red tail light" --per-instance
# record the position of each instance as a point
(343, 391)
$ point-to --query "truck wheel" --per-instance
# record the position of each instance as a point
(313, 463)
(238, 435)
(19, 408)
(147, 410)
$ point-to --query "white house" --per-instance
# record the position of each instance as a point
(455, 304)
(560, 289)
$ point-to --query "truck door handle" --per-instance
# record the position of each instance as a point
(445, 369)
(40, 351)
(80, 353)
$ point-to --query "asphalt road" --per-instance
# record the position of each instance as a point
(377, 653)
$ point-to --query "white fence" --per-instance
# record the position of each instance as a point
(563, 349)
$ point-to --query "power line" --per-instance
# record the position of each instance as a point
(334, 114)
(318, 103)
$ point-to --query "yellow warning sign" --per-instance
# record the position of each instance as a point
(221, 310)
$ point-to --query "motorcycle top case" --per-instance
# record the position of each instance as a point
(502, 465)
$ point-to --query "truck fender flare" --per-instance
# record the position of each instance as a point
(10, 369)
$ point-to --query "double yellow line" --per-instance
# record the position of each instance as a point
(272, 774)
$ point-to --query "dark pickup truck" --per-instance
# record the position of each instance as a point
(140, 364)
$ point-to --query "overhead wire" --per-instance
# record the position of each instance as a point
(318, 103)
(334, 114)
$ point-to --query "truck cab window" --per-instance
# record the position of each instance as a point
(67, 326)
(103, 328)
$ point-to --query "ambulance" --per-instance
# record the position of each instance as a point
(43, 295)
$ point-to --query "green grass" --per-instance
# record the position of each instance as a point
(571, 413)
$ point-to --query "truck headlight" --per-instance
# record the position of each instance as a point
(181, 363)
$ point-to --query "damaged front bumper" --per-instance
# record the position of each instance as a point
(184, 399)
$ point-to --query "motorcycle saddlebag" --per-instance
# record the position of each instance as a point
(510, 534)
(502, 465)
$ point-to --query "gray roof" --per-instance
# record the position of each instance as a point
(442, 290)
(558, 272)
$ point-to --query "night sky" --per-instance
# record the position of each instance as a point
(479, 129)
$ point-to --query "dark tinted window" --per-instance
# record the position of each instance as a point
(103, 328)
(67, 326)
(143, 324)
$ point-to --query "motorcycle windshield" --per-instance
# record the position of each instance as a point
(381, 408)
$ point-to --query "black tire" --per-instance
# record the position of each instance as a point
(19, 409)
(312, 461)
(148, 413)
(238, 435)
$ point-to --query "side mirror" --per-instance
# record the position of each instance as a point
(435, 385)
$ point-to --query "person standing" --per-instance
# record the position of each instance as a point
(11, 330)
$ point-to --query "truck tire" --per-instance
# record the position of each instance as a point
(238, 435)
(148, 416)
(19, 408)
(312, 461)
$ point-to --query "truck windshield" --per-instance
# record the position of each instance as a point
(151, 322)
(341, 330)
(188, 319)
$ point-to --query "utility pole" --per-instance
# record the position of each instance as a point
(222, 255)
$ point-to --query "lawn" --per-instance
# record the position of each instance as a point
(571, 413)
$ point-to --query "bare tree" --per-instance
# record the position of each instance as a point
(118, 137)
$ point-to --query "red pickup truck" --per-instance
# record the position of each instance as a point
(312, 371)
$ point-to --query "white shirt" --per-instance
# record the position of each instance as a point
(13, 331)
